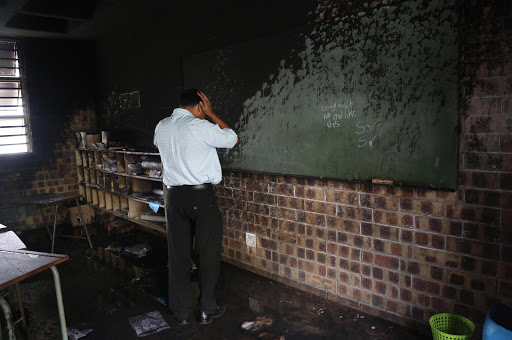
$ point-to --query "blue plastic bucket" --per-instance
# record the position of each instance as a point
(498, 323)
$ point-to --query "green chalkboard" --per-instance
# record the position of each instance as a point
(358, 96)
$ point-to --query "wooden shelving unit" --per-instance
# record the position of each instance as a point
(104, 182)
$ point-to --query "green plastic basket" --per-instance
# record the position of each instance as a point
(447, 326)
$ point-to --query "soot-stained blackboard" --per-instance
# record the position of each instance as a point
(360, 96)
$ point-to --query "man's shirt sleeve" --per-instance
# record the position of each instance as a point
(216, 137)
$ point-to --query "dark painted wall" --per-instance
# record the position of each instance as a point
(59, 78)
(144, 51)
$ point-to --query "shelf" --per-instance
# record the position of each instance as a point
(140, 200)
(118, 194)
(96, 185)
(141, 177)
(154, 226)
(128, 175)
(140, 153)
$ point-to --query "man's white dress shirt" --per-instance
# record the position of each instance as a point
(187, 147)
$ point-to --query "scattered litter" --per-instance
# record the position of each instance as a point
(265, 321)
(340, 317)
(259, 323)
(75, 334)
(113, 248)
(139, 250)
(149, 323)
(251, 326)
(135, 279)
(320, 311)
(373, 327)
(110, 312)
(361, 317)
(160, 300)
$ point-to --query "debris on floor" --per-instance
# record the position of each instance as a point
(119, 226)
(251, 326)
(111, 293)
(139, 250)
(75, 334)
(149, 323)
(258, 324)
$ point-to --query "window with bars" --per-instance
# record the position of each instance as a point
(14, 132)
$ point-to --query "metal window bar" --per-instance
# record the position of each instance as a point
(13, 144)
(10, 82)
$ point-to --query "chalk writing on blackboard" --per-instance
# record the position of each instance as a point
(369, 134)
(338, 111)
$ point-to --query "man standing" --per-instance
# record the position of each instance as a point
(187, 143)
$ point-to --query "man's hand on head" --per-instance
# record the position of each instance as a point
(205, 105)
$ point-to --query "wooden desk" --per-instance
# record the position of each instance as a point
(17, 265)
(48, 200)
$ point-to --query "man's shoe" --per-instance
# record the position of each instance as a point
(183, 322)
(182, 319)
(206, 318)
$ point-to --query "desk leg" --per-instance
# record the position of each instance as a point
(14, 218)
(83, 222)
(54, 225)
(22, 310)
(8, 319)
(45, 220)
(60, 305)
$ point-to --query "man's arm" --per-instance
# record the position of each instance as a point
(206, 106)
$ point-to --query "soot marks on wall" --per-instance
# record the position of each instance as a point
(369, 86)
(60, 78)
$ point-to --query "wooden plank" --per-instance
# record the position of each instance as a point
(108, 201)
(78, 157)
(101, 198)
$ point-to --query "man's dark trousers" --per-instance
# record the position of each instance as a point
(193, 212)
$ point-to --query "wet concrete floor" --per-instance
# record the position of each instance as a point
(102, 293)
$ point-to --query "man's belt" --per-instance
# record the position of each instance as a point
(192, 187)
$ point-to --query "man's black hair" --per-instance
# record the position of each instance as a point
(189, 97)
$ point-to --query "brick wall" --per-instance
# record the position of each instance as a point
(53, 174)
(400, 253)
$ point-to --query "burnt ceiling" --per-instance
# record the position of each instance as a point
(68, 19)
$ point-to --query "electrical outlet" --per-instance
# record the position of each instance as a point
(250, 240)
